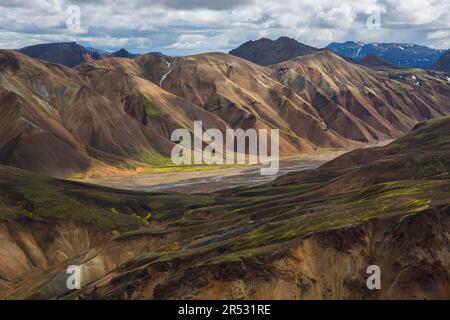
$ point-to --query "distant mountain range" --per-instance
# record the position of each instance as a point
(399, 54)
(266, 51)
(70, 54)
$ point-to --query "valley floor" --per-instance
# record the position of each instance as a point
(215, 179)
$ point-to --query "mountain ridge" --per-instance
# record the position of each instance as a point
(266, 51)
(118, 114)
(66, 53)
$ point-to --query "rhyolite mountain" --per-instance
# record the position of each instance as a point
(400, 54)
(357, 102)
(443, 63)
(266, 51)
(60, 121)
(114, 114)
(307, 235)
(320, 98)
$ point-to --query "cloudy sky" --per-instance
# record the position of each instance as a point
(179, 27)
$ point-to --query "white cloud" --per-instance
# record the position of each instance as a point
(181, 27)
(189, 41)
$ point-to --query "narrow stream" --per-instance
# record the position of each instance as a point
(169, 66)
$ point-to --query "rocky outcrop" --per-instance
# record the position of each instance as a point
(413, 254)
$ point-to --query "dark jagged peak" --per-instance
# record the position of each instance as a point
(443, 63)
(373, 60)
(122, 53)
(266, 51)
(69, 54)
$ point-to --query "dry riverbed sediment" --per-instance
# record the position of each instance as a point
(216, 179)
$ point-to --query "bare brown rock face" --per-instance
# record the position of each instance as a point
(413, 254)
(359, 103)
(320, 98)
